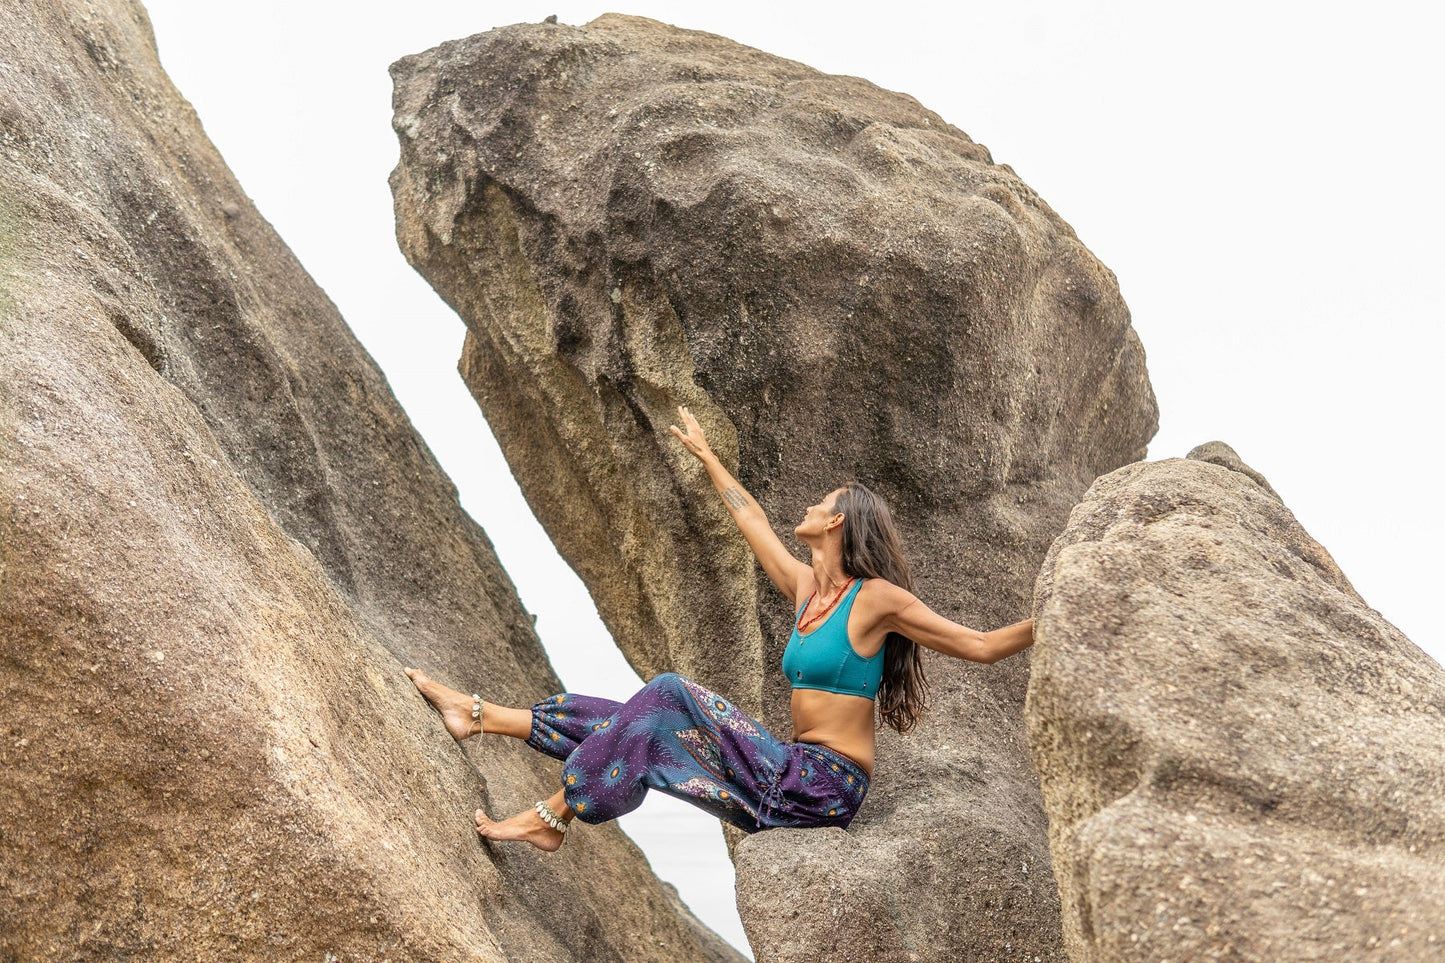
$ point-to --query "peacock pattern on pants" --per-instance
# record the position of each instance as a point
(684, 740)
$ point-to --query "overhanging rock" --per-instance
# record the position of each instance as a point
(629, 217)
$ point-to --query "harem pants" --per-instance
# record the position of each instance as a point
(686, 741)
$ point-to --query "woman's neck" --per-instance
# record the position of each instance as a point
(827, 572)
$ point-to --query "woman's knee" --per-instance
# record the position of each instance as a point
(668, 685)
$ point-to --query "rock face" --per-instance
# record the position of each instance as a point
(1241, 759)
(839, 284)
(220, 540)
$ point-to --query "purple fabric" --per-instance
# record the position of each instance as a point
(686, 741)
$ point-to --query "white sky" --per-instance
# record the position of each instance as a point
(1262, 177)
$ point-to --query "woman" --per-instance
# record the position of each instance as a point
(852, 658)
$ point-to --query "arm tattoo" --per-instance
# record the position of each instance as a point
(736, 498)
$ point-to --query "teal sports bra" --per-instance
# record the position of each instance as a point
(824, 658)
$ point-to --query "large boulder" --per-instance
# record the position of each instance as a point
(1241, 759)
(631, 216)
(220, 540)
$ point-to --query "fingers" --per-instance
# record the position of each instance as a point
(687, 441)
(694, 430)
(692, 438)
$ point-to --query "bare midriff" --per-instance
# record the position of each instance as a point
(843, 723)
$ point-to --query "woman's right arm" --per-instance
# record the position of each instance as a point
(784, 570)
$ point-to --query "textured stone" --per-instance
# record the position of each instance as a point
(220, 540)
(1241, 759)
(839, 284)
(1218, 453)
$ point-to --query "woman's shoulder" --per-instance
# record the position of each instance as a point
(881, 586)
(883, 595)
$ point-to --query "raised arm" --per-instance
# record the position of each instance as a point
(905, 614)
(777, 561)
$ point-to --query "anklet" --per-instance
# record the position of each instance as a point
(477, 713)
(549, 817)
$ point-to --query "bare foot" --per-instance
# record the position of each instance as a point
(456, 708)
(525, 826)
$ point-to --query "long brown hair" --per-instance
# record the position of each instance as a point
(873, 549)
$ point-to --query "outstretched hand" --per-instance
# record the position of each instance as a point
(692, 439)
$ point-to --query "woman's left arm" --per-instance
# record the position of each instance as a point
(906, 615)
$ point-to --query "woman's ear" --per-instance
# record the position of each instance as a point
(834, 522)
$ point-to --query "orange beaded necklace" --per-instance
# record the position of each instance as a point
(803, 626)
